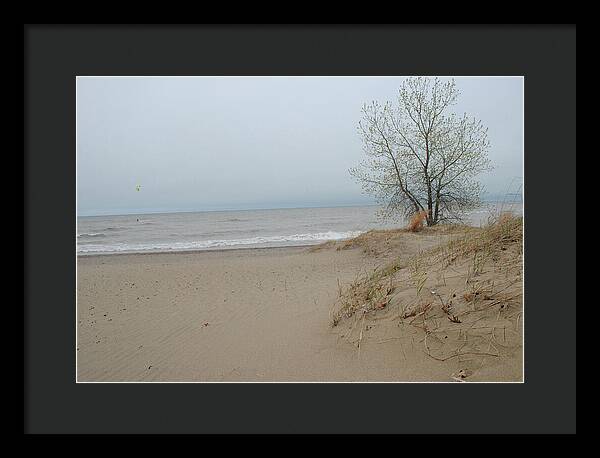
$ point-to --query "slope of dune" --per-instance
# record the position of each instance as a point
(459, 303)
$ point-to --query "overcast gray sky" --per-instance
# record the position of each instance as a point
(214, 143)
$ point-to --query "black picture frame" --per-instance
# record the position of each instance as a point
(53, 55)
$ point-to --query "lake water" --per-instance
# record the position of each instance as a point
(238, 229)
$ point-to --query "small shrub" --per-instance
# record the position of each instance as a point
(416, 222)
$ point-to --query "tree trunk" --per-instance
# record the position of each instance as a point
(436, 213)
(430, 220)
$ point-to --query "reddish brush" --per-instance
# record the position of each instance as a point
(416, 222)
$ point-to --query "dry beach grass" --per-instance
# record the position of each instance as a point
(464, 297)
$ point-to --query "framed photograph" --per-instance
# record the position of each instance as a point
(264, 236)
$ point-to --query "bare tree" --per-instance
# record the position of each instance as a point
(419, 157)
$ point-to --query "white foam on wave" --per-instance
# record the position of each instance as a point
(296, 239)
(92, 234)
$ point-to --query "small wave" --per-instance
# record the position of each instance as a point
(91, 235)
(276, 240)
(233, 232)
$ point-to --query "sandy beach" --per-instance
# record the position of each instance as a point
(262, 315)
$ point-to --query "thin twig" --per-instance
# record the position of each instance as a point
(361, 333)
(460, 354)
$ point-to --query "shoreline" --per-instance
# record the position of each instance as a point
(192, 251)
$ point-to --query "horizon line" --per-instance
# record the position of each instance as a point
(489, 198)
